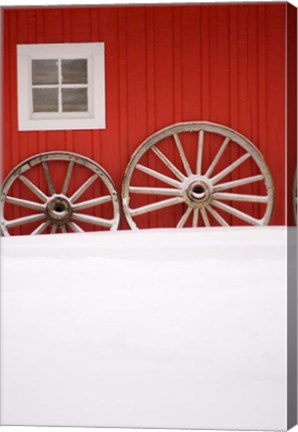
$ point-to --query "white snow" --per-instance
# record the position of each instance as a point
(156, 328)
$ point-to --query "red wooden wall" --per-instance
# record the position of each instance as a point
(291, 106)
(164, 64)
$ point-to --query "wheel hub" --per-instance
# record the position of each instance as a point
(59, 210)
(198, 192)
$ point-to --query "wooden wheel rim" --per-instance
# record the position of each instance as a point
(229, 135)
(48, 207)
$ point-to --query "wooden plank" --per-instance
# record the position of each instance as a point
(150, 160)
(291, 120)
(275, 150)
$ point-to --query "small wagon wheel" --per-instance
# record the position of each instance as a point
(58, 208)
(207, 189)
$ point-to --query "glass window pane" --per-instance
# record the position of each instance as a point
(45, 100)
(74, 99)
(74, 71)
(44, 72)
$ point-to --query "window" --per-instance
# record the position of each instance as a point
(61, 86)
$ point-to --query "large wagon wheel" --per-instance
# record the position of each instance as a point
(58, 207)
(207, 188)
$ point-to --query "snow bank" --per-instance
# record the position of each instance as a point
(156, 328)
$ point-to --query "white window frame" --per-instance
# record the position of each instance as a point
(93, 119)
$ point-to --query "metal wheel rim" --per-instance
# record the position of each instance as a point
(197, 126)
(46, 221)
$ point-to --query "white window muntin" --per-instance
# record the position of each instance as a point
(79, 114)
(94, 118)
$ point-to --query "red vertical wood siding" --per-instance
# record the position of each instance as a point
(163, 64)
(291, 108)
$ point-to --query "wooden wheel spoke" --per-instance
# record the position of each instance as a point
(200, 152)
(159, 176)
(75, 227)
(230, 168)
(240, 197)
(156, 206)
(155, 191)
(25, 203)
(34, 189)
(237, 213)
(48, 177)
(83, 188)
(41, 228)
(92, 220)
(24, 220)
(168, 163)
(195, 218)
(184, 218)
(205, 217)
(67, 178)
(91, 203)
(237, 183)
(208, 182)
(217, 216)
(182, 155)
(217, 157)
(55, 210)
(54, 229)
